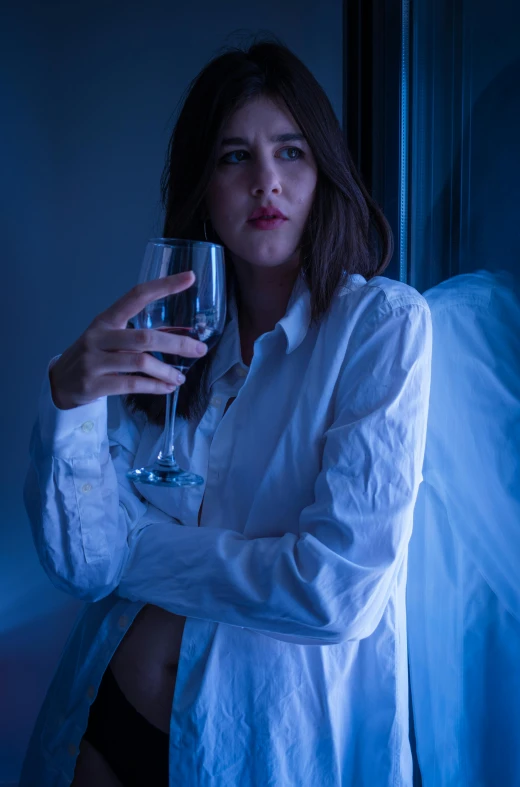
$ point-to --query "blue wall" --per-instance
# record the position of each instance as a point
(88, 94)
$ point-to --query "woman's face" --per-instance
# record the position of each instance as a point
(258, 168)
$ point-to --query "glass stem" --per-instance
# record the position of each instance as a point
(166, 456)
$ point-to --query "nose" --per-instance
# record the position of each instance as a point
(265, 181)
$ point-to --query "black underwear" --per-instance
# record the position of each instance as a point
(136, 751)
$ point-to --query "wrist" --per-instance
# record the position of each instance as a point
(57, 400)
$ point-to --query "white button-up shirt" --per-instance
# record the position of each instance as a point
(293, 664)
(464, 562)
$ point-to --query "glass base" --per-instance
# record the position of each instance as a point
(162, 475)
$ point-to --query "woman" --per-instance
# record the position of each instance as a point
(266, 646)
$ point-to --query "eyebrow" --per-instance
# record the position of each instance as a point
(292, 137)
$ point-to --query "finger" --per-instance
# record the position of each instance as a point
(140, 363)
(148, 340)
(124, 384)
(130, 304)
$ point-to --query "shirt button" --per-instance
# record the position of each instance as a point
(215, 401)
(87, 426)
(86, 488)
(123, 622)
(91, 691)
(72, 749)
(241, 372)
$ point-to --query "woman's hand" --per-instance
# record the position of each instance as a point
(96, 363)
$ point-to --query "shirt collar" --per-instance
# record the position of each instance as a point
(295, 324)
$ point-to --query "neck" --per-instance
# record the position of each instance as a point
(262, 297)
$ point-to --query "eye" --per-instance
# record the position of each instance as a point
(297, 151)
(236, 156)
(239, 156)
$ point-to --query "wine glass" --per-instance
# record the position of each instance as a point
(199, 312)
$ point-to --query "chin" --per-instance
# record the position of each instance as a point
(267, 257)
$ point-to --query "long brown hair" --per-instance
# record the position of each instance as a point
(345, 232)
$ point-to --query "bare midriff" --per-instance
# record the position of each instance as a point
(145, 663)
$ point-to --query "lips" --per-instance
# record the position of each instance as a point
(266, 224)
(266, 213)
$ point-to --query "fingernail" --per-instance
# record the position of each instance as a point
(202, 349)
(181, 378)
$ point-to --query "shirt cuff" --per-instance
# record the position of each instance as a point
(70, 433)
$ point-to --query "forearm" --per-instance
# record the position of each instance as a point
(79, 503)
(295, 587)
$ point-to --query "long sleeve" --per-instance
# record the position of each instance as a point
(332, 580)
(80, 504)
